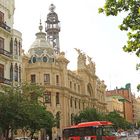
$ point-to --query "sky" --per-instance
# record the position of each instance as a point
(82, 27)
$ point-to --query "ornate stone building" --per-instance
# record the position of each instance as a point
(10, 45)
(67, 92)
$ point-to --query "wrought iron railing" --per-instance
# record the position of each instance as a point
(4, 52)
(5, 26)
(5, 81)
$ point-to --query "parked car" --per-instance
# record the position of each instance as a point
(22, 138)
(116, 134)
(136, 132)
(124, 134)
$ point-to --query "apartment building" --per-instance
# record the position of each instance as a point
(125, 96)
(10, 45)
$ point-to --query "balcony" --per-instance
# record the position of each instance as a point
(5, 81)
(5, 26)
(4, 52)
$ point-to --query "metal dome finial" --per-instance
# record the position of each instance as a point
(40, 26)
(52, 7)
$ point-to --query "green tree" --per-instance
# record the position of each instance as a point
(38, 118)
(138, 124)
(131, 23)
(9, 104)
(117, 120)
(21, 107)
(89, 114)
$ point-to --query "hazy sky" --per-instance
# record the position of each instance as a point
(82, 27)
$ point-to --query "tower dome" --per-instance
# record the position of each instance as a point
(52, 16)
(40, 41)
(41, 50)
(53, 29)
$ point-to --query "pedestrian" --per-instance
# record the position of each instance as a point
(47, 137)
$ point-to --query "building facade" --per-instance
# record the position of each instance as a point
(10, 45)
(125, 96)
(138, 109)
(67, 92)
(113, 104)
(134, 109)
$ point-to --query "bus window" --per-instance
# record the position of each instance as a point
(108, 131)
(86, 131)
(99, 131)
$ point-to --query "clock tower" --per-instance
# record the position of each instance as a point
(53, 29)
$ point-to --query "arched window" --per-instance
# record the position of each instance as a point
(19, 48)
(45, 59)
(34, 59)
(72, 119)
(15, 47)
(57, 80)
(19, 74)
(57, 98)
(71, 102)
(16, 72)
(58, 119)
(89, 89)
(75, 101)
(11, 46)
(79, 104)
(70, 84)
(11, 72)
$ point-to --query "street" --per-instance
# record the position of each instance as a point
(130, 138)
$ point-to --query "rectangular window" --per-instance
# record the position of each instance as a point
(1, 73)
(48, 97)
(79, 104)
(57, 79)
(57, 98)
(47, 78)
(33, 78)
(19, 74)
(71, 102)
(75, 103)
(78, 88)
(75, 86)
(83, 105)
(70, 84)
(16, 72)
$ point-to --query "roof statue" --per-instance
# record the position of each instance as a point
(89, 59)
(91, 64)
(78, 50)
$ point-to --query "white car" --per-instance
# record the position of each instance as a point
(136, 132)
(124, 134)
(116, 134)
(22, 138)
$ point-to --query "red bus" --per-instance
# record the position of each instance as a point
(96, 130)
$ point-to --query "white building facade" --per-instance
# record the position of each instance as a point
(10, 45)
